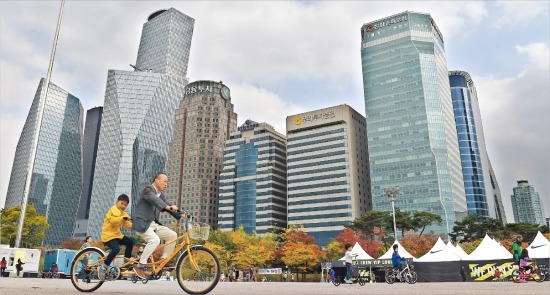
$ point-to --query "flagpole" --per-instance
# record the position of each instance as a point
(40, 113)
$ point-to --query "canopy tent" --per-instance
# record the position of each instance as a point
(489, 250)
(361, 254)
(439, 252)
(461, 253)
(402, 252)
(540, 247)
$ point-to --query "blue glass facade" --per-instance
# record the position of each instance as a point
(138, 114)
(410, 123)
(470, 154)
(57, 176)
(253, 181)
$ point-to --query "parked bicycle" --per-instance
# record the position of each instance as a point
(408, 275)
(197, 267)
(52, 274)
(356, 277)
(519, 274)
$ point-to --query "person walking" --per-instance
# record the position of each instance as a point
(3, 265)
(517, 247)
(19, 266)
(463, 273)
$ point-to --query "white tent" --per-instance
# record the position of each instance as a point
(361, 254)
(540, 247)
(489, 250)
(402, 252)
(457, 250)
(461, 252)
(439, 253)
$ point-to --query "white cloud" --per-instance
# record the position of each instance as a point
(518, 13)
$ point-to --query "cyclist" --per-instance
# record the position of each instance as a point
(524, 258)
(349, 259)
(146, 221)
(111, 234)
(396, 259)
(516, 248)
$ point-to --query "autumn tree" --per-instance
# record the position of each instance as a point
(335, 250)
(418, 245)
(350, 236)
(252, 250)
(222, 245)
(299, 250)
(34, 227)
(72, 243)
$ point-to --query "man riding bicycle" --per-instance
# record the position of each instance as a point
(396, 259)
(146, 221)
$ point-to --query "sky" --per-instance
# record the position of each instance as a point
(281, 58)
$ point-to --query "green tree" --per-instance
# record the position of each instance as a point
(371, 220)
(469, 229)
(421, 219)
(34, 227)
(403, 221)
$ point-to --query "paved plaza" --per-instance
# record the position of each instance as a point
(24, 286)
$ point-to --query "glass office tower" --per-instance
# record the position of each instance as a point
(527, 205)
(479, 185)
(328, 170)
(57, 175)
(410, 123)
(253, 180)
(89, 155)
(202, 124)
(138, 114)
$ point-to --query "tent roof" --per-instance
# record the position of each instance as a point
(457, 250)
(439, 252)
(489, 250)
(357, 249)
(539, 247)
(461, 251)
(402, 252)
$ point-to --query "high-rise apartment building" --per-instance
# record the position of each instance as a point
(138, 113)
(57, 175)
(328, 180)
(202, 123)
(253, 180)
(478, 184)
(89, 153)
(410, 123)
(527, 205)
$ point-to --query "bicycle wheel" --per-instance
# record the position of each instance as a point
(84, 270)
(198, 271)
(47, 275)
(336, 281)
(539, 276)
(56, 275)
(361, 281)
(411, 277)
(515, 276)
(390, 276)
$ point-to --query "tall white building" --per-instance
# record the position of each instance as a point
(327, 170)
(253, 180)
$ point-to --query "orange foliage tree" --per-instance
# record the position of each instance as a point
(299, 250)
(418, 245)
(72, 243)
(351, 236)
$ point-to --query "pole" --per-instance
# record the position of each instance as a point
(40, 113)
(394, 224)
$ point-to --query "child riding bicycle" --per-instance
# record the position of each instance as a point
(396, 259)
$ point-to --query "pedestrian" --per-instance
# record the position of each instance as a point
(285, 275)
(19, 266)
(147, 225)
(3, 265)
(331, 274)
(292, 277)
(111, 235)
(463, 273)
(168, 275)
(87, 243)
(253, 273)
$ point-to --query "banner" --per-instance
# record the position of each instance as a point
(270, 271)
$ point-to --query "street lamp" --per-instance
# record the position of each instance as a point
(392, 196)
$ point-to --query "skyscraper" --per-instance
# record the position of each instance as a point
(89, 155)
(203, 122)
(479, 185)
(57, 174)
(410, 124)
(138, 113)
(253, 180)
(327, 170)
(527, 205)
